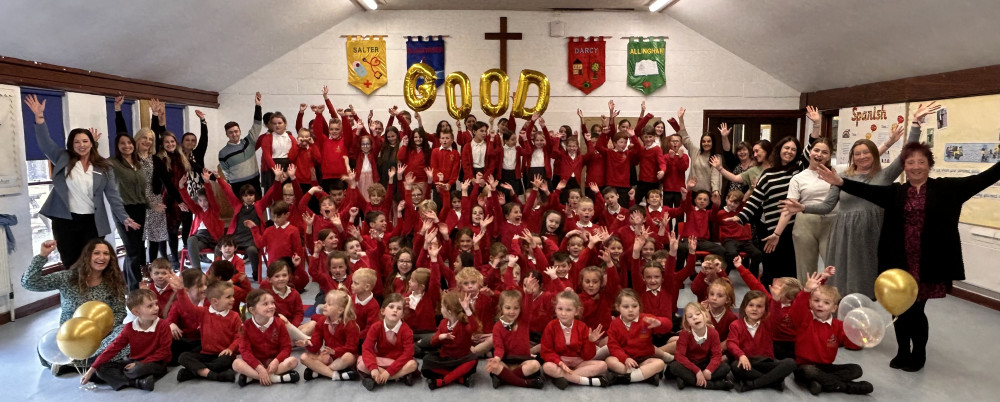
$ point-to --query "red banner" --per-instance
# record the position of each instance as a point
(586, 63)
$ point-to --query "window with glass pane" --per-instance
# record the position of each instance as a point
(39, 179)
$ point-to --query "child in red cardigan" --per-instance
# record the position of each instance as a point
(185, 329)
(819, 335)
(281, 241)
(220, 336)
(207, 228)
(265, 348)
(387, 352)
(750, 347)
(452, 362)
(780, 296)
(333, 350)
(159, 272)
(660, 287)
(630, 342)
(511, 362)
(445, 161)
(287, 301)
(568, 347)
(484, 306)
(365, 306)
(423, 297)
(542, 308)
(698, 360)
(149, 339)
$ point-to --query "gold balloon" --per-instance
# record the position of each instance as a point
(79, 338)
(485, 92)
(458, 112)
(896, 290)
(527, 78)
(100, 313)
(419, 98)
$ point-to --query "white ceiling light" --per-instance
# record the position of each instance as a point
(370, 4)
(658, 5)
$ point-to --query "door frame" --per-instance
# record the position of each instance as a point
(748, 113)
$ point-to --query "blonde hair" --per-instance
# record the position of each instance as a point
(511, 297)
(341, 299)
(427, 205)
(689, 306)
(365, 276)
(716, 257)
(469, 274)
(573, 298)
(422, 276)
(452, 301)
(789, 288)
(830, 291)
(727, 288)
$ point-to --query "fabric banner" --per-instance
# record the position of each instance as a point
(430, 51)
(366, 68)
(646, 59)
(873, 123)
(586, 63)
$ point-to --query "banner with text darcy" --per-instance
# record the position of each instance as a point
(646, 60)
(366, 66)
(586, 63)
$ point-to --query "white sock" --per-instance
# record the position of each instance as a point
(339, 376)
(602, 353)
(584, 381)
(637, 375)
(275, 378)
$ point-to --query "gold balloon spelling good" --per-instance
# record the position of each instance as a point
(458, 111)
(100, 313)
(485, 92)
(419, 98)
(79, 338)
(896, 290)
(527, 78)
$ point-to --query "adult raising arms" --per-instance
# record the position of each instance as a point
(81, 180)
(919, 235)
(854, 234)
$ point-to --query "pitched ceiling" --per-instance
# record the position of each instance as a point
(514, 5)
(193, 43)
(813, 45)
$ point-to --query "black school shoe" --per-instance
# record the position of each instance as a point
(495, 380)
(368, 383)
(468, 380)
(145, 383)
(536, 382)
(560, 383)
(858, 388)
(226, 376)
(411, 378)
(351, 374)
(900, 362)
(308, 374)
(680, 383)
(619, 379)
(185, 375)
(815, 388)
(653, 379)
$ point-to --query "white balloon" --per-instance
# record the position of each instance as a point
(851, 302)
(865, 327)
(48, 349)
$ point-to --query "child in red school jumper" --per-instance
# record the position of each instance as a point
(584, 217)
(380, 198)
(246, 207)
(735, 238)
(537, 162)
(750, 347)
(568, 346)
(334, 142)
(281, 241)
(292, 195)
(481, 153)
(513, 154)
(159, 272)
(207, 228)
(363, 282)
(650, 158)
(265, 348)
(630, 342)
(333, 349)
(366, 149)
(484, 307)
(698, 360)
(542, 308)
(306, 160)
(415, 154)
(568, 162)
(712, 268)
(511, 362)
(452, 362)
(185, 329)
(397, 281)
(677, 163)
(287, 301)
(610, 212)
(511, 224)
(148, 338)
(227, 252)
(697, 219)
(534, 259)
(780, 296)
(551, 233)
(597, 295)
(720, 303)
(819, 335)
(219, 339)
(387, 351)
(319, 266)
(660, 287)
(423, 295)
(491, 271)
(535, 207)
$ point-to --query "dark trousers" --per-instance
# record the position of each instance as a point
(135, 248)
(253, 181)
(912, 327)
(779, 263)
(690, 377)
(642, 188)
(201, 240)
(733, 249)
(180, 346)
(196, 361)
(623, 195)
(764, 371)
(186, 219)
(537, 171)
(72, 235)
(783, 349)
(703, 245)
(510, 177)
(115, 374)
(833, 377)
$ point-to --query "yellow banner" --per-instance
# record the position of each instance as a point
(366, 68)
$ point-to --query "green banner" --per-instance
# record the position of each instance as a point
(646, 59)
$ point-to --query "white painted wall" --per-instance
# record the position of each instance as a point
(700, 74)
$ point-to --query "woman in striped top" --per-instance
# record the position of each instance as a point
(787, 159)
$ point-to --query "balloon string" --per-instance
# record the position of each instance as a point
(893, 321)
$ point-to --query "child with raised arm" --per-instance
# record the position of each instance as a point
(452, 362)
(148, 338)
(511, 362)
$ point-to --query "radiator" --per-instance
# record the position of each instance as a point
(5, 281)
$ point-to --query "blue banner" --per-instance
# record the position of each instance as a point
(430, 51)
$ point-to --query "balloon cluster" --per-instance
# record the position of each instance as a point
(896, 291)
(421, 97)
(80, 336)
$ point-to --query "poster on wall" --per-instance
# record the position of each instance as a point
(366, 68)
(646, 60)
(873, 123)
(965, 138)
(430, 52)
(10, 173)
(586, 63)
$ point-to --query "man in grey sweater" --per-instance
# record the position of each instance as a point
(238, 158)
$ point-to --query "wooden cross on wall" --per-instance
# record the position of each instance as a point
(503, 36)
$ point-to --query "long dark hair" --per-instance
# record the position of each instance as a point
(112, 274)
(96, 159)
(775, 156)
(133, 160)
